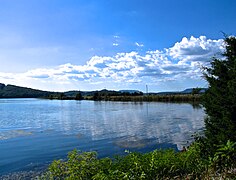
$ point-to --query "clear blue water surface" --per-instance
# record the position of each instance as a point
(33, 132)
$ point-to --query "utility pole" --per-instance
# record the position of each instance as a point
(146, 89)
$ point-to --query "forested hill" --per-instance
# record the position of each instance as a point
(11, 91)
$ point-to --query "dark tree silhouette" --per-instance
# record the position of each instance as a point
(220, 98)
(79, 96)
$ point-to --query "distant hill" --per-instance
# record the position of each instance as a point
(90, 93)
(186, 91)
(11, 91)
(103, 92)
(129, 91)
(190, 90)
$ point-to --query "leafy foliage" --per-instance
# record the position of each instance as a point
(158, 164)
(220, 98)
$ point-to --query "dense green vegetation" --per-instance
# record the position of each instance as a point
(212, 156)
(158, 164)
(149, 98)
(220, 99)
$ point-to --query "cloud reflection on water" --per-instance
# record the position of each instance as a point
(120, 122)
(161, 122)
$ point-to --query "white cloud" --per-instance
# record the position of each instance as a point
(139, 44)
(115, 44)
(196, 49)
(182, 61)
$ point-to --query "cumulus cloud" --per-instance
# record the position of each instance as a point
(196, 49)
(183, 60)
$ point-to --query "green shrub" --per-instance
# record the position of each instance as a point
(158, 164)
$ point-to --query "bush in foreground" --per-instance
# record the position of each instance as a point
(158, 164)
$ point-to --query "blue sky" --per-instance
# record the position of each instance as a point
(114, 44)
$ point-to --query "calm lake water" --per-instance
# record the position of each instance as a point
(33, 132)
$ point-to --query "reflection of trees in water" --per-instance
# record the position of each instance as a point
(196, 105)
(165, 122)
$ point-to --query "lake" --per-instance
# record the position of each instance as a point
(33, 132)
